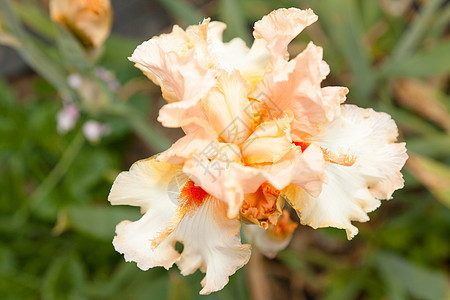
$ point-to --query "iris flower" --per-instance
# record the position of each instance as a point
(89, 20)
(259, 131)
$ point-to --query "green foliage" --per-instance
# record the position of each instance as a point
(402, 277)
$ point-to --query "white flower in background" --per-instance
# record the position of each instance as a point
(93, 131)
(75, 80)
(67, 118)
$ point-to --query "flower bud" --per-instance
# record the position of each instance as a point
(89, 20)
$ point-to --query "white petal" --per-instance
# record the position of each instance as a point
(352, 191)
(235, 55)
(144, 185)
(369, 136)
(198, 141)
(267, 244)
(274, 239)
(147, 185)
(212, 243)
(310, 169)
(344, 198)
(179, 69)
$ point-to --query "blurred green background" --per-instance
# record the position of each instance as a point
(56, 225)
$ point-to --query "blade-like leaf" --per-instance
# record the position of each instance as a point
(230, 12)
(182, 11)
(341, 22)
(422, 64)
(434, 175)
(99, 221)
(403, 276)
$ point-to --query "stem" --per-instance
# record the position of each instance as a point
(151, 136)
(257, 280)
(49, 183)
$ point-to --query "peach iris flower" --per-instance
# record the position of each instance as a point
(89, 20)
(259, 130)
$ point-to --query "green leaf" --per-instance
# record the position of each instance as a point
(230, 12)
(441, 24)
(35, 18)
(436, 145)
(129, 282)
(182, 11)
(64, 279)
(114, 57)
(33, 54)
(18, 286)
(403, 276)
(341, 21)
(371, 13)
(91, 167)
(71, 51)
(343, 286)
(151, 135)
(99, 221)
(423, 64)
(415, 33)
(7, 96)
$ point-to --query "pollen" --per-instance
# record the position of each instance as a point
(340, 159)
(329, 156)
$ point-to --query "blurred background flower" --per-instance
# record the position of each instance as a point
(56, 225)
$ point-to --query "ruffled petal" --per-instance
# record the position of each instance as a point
(280, 27)
(228, 108)
(310, 170)
(227, 179)
(146, 185)
(269, 142)
(212, 244)
(199, 141)
(297, 88)
(350, 192)
(263, 207)
(211, 241)
(370, 137)
(235, 55)
(176, 62)
(276, 238)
